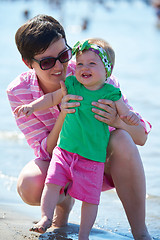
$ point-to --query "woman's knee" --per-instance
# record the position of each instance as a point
(123, 157)
(30, 184)
(29, 190)
(122, 152)
(121, 144)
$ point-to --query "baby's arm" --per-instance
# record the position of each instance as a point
(127, 115)
(44, 102)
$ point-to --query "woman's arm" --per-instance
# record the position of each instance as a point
(126, 114)
(66, 107)
(54, 134)
(109, 115)
(35, 136)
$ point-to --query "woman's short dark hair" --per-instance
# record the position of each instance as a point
(35, 36)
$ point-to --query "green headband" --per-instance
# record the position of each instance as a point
(80, 46)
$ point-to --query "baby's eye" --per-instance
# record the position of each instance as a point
(79, 64)
(92, 63)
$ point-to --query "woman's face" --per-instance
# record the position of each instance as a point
(49, 80)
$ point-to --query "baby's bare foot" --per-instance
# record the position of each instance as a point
(42, 225)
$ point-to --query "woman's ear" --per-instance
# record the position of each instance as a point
(28, 64)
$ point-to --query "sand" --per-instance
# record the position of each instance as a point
(15, 224)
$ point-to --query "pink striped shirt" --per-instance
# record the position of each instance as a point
(23, 90)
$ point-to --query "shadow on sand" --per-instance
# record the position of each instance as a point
(70, 232)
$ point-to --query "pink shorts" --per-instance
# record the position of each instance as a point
(85, 176)
(107, 183)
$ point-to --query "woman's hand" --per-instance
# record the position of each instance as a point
(108, 114)
(66, 106)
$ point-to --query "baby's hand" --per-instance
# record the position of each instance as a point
(66, 106)
(131, 118)
(27, 110)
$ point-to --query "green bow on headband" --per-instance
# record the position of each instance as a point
(80, 46)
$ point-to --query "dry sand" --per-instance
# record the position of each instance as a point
(14, 225)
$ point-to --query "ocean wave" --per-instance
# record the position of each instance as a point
(152, 197)
(4, 176)
(11, 135)
(7, 181)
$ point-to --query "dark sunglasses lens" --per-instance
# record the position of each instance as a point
(47, 63)
(65, 56)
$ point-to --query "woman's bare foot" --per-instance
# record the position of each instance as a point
(62, 212)
(42, 225)
(143, 236)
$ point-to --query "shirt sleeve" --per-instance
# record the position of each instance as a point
(115, 93)
(33, 129)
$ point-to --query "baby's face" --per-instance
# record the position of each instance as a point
(90, 70)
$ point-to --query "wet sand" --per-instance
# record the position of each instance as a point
(15, 224)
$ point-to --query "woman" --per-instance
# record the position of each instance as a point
(43, 47)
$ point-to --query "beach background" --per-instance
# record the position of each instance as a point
(131, 30)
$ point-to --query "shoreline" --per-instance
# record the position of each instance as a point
(15, 223)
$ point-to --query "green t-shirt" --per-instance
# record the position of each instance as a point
(81, 132)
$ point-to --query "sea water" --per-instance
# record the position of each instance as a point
(131, 30)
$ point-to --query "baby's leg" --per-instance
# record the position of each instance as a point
(50, 196)
(88, 216)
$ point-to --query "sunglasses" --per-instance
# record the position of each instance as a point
(49, 62)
